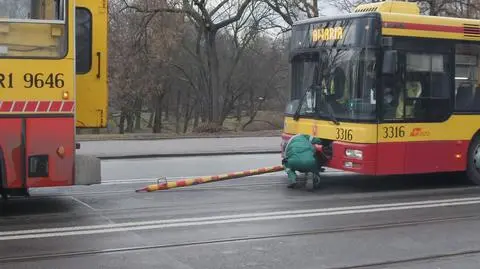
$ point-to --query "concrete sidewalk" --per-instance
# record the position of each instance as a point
(161, 136)
(122, 149)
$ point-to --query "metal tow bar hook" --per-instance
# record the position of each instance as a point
(162, 180)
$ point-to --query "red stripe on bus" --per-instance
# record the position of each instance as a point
(37, 106)
(31, 106)
(55, 107)
(423, 27)
(67, 107)
(43, 106)
(6, 106)
(18, 106)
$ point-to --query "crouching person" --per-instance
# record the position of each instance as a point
(300, 155)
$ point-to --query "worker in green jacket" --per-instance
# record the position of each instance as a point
(300, 155)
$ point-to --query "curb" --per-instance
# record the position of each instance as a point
(178, 155)
(88, 138)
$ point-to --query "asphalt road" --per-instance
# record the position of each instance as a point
(351, 222)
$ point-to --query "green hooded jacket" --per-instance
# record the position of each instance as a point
(300, 153)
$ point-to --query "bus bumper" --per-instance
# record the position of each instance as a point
(352, 157)
(359, 158)
(39, 152)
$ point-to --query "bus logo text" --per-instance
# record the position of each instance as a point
(419, 132)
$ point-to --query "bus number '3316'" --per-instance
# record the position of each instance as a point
(344, 134)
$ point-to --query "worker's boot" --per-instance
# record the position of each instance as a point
(292, 185)
(292, 177)
(316, 180)
(310, 181)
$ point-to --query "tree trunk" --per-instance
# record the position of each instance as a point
(239, 112)
(468, 13)
(150, 118)
(167, 107)
(196, 116)
(121, 125)
(130, 121)
(315, 8)
(157, 122)
(138, 114)
(204, 111)
(213, 78)
(188, 113)
(178, 114)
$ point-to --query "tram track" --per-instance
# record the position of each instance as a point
(346, 229)
(413, 260)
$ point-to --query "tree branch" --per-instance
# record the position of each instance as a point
(237, 16)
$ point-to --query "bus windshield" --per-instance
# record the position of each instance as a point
(340, 83)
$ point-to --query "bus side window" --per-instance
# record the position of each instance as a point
(424, 91)
(83, 40)
(467, 96)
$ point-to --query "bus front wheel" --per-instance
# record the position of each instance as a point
(473, 166)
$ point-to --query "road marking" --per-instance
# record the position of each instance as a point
(93, 209)
(250, 217)
(83, 203)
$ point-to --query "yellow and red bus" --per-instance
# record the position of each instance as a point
(390, 91)
(53, 78)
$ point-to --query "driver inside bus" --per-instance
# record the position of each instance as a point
(333, 85)
(413, 89)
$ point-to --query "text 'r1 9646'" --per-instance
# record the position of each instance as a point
(33, 80)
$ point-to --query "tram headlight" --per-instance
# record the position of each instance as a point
(354, 153)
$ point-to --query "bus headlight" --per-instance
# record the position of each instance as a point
(354, 153)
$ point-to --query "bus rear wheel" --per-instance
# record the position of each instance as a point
(473, 166)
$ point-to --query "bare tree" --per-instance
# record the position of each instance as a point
(293, 10)
(191, 65)
(140, 49)
(209, 20)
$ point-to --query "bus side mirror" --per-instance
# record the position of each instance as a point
(390, 60)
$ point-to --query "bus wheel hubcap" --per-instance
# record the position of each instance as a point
(476, 158)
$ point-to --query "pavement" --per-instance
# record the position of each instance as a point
(113, 149)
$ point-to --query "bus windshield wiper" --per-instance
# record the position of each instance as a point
(330, 111)
(332, 114)
(296, 115)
